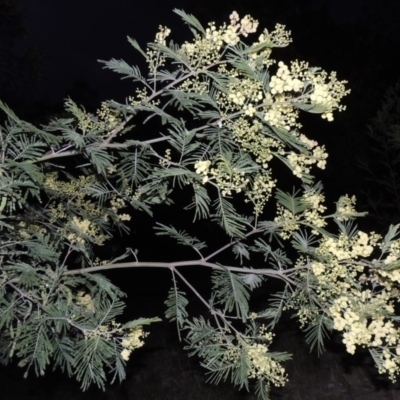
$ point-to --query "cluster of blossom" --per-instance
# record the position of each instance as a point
(283, 81)
(345, 208)
(245, 26)
(249, 134)
(132, 340)
(287, 222)
(226, 180)
(280, 113)
(262, 365)
(129, 339)
(313, 215)
(363, 319)
(195, 85)
(85, 300)
(257, 190)
(202, 168)
(116, 204)
(240, 91)
(141, 96)
(167, 158)
(107, 119)
(260, 191)
(205, 50)
(323, 89)
(162, 34)
(154, 59)
(300, 163)
(344, 247)
(81, 228)
(72, 188)
(262, 49)
(279, 37)
(390, 276)
(313, 87)
(360, 306)
(75, 190)
(77, 193)
(25, 230)
(394, 254)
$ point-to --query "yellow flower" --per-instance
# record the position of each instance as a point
(125, 354)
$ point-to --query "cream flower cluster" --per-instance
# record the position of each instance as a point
(241, 91)
(353, 317)
(322, 89)
(228, 182)
(84, 299)
(260, 56)
(205, 50)
(85, 227)
(75, 190)
(321, 96)
(202, 168)
(301, 162)
(162, 34)
(195, 85)
(283, 81)
(248, 133)
(116, 204)
(107, 118)
(388, 275)
(132, 340)
(313, 215)
(167, 158)
(280, 113)
(343, 247)
(360, 308)
(394, 253)
(314, 87)
(279, 37)
(25, 230)
(257, 190)
(154, 58)
(82, 225)
(288, 222)
(260, 191)
(129, 339)
(262, 366)
(245, 26)
(345, 208)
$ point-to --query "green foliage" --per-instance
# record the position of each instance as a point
(228, 117)
(176, 307)
(231, 291)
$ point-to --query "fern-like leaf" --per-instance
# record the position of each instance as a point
(232, 292)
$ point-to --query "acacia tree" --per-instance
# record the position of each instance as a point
(229, 115)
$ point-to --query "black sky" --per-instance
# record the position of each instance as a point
(74, 34)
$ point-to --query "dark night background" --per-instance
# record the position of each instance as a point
(49, 50)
